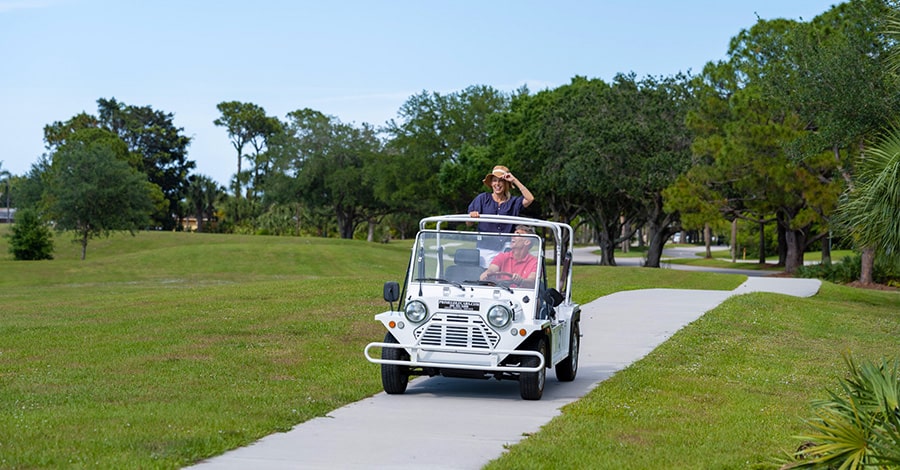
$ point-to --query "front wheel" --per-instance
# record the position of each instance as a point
(568, 367)
(531, 384)
(394, 378)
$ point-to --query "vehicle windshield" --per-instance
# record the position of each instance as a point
(462, 257)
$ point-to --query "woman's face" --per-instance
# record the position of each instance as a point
(498, 184)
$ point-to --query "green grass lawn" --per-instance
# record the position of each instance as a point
(728, 391)
(166, 348)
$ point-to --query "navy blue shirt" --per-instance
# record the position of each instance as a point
(485, 204)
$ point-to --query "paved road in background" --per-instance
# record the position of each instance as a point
(586, 255)
(442, 423)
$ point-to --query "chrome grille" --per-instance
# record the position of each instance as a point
(456, 330)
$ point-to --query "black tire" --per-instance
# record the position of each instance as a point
(531, 384)
(568, 367)
(394, 378)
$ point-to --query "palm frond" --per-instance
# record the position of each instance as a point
(859, 425)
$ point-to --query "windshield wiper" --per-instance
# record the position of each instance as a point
(439, 281)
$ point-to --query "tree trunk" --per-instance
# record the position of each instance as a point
(84, 242)
(762, 242)
(867, 267)
(657, 240)
(370, 236)
(734, 246)
(345, 227)
(199, 216)
(626, 241)
(826, 250)
(795, 242)
(607, 250)
(345, 219)
(782, 244)
(707, 236)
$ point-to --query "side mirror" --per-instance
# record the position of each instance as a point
(391, 291)
(554, 297)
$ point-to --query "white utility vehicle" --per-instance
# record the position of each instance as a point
(451, 323)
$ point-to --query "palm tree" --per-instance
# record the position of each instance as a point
(202, 195)
(870, 211)
(873, 199)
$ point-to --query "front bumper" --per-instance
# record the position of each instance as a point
(451, 357)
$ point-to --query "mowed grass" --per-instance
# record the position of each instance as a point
(729, 391)
(166, 348)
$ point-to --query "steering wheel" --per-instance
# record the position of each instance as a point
(501, 278)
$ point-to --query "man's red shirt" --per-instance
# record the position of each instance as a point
(508, 263)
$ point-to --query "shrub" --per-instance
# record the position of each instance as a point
(848, 270)
(30, 239)
(858, 426)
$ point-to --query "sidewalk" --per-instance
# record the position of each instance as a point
(587, 255)
(444, 423)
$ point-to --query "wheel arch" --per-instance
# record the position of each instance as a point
(532, 342)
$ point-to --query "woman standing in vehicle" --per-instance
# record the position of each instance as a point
(499, 201)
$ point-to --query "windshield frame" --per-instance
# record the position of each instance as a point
(434, 253)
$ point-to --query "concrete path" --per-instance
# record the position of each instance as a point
(587, 255)
(444, 423)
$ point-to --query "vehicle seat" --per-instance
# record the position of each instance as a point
(466, 266)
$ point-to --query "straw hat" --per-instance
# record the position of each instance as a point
(499, 171)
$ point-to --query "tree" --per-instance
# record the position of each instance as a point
(29, 189)
(154, 146)
(743, 137)
(605, 152)
(30, 239)
(530, 137)
(833, 75)
(332, 164)
(247, 123)
(863, 215)
(94, 192)
(586, 162)
(159, 149)
(435, 136)
(869, 214)
(664, 150)
(202, 195)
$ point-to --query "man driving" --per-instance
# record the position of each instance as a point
(516, 265)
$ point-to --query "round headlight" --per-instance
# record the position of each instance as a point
(416, 311)
(499, 316)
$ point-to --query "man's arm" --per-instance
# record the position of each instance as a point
(493, 268)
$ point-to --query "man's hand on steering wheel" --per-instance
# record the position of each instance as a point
(506, 279)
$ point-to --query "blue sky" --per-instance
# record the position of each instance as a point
(356, 60)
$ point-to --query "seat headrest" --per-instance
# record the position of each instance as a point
(466, 256)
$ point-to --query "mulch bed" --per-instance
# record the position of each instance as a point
(872, 286)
